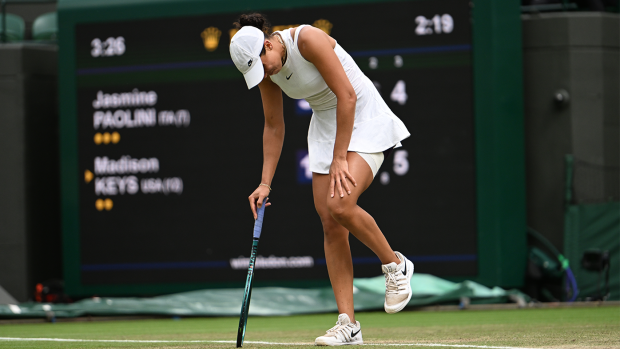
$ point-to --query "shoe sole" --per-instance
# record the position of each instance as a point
(404, 303)
(325, 344)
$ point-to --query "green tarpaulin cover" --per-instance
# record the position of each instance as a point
(267, 301)
(593, 226)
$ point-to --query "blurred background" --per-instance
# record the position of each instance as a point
(129, 144)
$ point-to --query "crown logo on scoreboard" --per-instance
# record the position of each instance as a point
(324, 25)
(211, 38)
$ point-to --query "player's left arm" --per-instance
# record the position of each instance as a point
(317, 47)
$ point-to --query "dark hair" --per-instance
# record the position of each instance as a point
(256, 20)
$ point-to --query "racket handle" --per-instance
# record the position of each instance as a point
(258, 224)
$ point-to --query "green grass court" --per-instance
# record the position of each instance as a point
(526, 328)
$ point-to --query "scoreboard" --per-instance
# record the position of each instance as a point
(167, 145)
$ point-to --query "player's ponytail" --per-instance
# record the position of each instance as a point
(255, 20)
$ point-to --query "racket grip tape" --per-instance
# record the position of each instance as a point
(258, 224)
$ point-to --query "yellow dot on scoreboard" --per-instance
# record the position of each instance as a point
(98, 138)
(106, 138)
(88, 176)
(99, 204)
(108, 204)
(116, 137)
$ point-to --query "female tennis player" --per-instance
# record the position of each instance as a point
(351, 127)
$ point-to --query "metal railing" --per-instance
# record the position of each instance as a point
(564, 6)
(568, 5)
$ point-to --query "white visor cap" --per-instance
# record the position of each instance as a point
(245, 49)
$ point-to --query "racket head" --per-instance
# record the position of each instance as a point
(243, 320)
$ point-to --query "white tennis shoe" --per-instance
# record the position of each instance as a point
(397, 284)
(344, 333)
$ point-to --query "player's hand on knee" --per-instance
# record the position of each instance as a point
(257, 197)
(340, 177)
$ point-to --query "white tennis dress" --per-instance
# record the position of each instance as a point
(375, 128)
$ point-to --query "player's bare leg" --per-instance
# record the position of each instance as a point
(396, 267)
(336, 235)
(337, 251)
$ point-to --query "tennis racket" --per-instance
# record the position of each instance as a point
(245, 306)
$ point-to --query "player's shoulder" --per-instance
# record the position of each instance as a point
(308, 33)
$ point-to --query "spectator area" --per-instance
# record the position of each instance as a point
(28, 17)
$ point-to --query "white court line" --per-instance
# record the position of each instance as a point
(447, 345)
(249, 342)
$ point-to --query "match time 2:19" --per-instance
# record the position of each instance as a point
(436, 25)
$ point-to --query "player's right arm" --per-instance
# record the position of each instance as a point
(273, 138)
